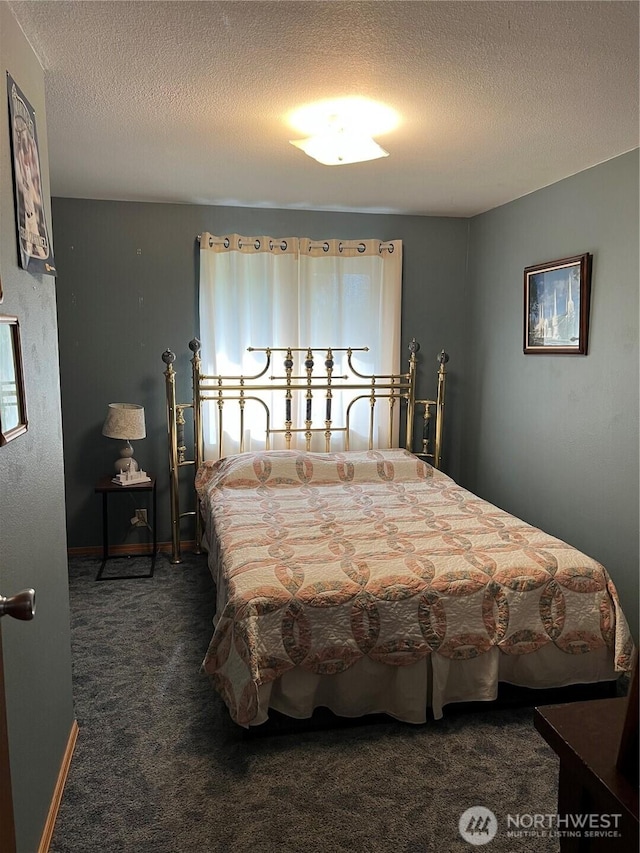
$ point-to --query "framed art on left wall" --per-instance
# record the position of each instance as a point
(34, 246)
(13, 406)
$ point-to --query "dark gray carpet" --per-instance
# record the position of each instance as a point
(159, 766)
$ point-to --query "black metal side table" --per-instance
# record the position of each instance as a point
(105, 487)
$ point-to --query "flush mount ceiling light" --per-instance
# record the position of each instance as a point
(339, 147)
(341, 131)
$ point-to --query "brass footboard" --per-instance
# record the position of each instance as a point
(306, 386)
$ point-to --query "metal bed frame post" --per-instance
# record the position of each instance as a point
(170, 385)
(432, 408)
(198, 438)
(414, 348)
(443, 358)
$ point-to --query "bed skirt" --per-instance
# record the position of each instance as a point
(408, 692)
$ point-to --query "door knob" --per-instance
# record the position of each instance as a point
(22, 605)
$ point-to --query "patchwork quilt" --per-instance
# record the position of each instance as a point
(324, 559)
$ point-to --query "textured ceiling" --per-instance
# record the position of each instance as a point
(186, 101)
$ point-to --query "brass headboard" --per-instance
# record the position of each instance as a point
(395, 389)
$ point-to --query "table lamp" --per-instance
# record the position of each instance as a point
(126, 421)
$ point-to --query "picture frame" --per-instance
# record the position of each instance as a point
(35, 252)
(13, 407)
(557, 297)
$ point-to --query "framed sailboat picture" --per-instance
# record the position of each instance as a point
(556, 306)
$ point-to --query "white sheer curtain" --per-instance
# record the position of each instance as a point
(296, 292)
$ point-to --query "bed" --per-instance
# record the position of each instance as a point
(368, 581)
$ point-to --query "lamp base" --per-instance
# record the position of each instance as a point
(126, 461)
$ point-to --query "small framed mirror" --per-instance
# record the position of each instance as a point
(13, 408)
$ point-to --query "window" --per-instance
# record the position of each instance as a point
(293, 292)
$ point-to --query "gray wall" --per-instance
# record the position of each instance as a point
(554, 438)
(127, 290)
(37, 654)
